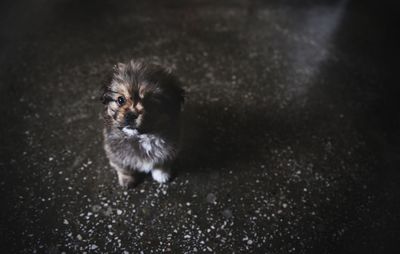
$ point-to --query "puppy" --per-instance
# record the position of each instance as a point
(141, 121)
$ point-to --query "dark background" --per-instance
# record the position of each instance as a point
(291, 127)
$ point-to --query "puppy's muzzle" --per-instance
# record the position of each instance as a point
(130, 118)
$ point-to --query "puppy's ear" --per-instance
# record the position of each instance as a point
(119, 67)
(178, 95)
(176, 92)
(105, 96)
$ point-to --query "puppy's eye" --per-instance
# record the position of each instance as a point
(121, 100)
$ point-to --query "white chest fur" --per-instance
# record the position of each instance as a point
(154, 146)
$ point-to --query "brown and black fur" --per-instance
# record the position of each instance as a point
(141, 121)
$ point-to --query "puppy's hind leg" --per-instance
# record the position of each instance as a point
(126, 177)
(126, 180)
(161, 175)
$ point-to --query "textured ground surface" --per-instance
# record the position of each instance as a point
(291, 128)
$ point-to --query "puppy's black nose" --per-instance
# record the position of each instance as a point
(130, 118)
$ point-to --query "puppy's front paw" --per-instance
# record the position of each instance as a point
(127, 181)
(160, 176)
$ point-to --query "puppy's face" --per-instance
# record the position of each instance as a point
(125, 105)
(142, 97)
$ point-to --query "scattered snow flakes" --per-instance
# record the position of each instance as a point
(119, 212)
(93, 246)
(79, 237)
(66, 222)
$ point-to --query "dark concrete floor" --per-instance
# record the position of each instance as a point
(291, 127)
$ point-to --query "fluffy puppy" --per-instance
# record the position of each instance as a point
(141, 121)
